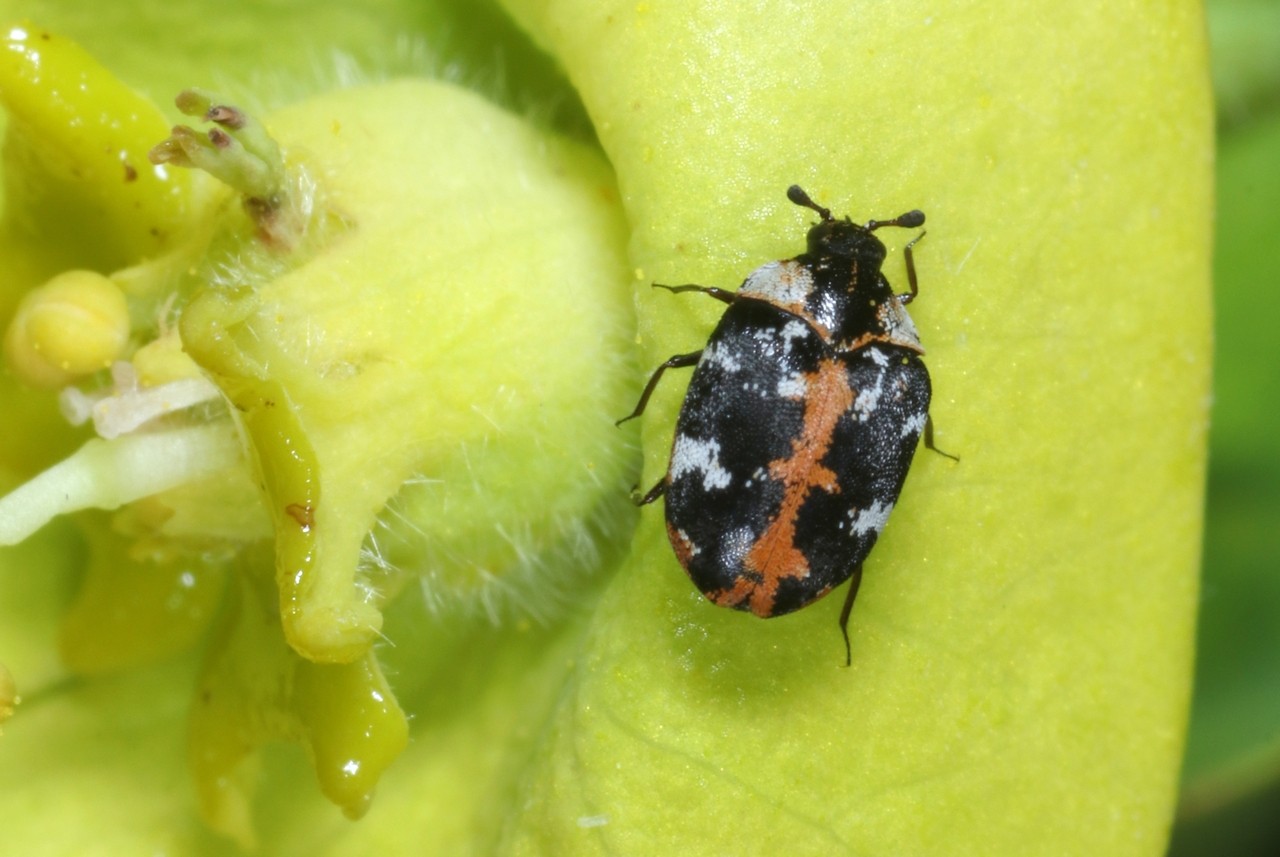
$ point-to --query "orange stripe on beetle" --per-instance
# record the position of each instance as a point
(776, 555)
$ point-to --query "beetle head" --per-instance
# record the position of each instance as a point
(844, 237)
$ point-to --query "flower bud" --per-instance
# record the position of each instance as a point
(74, 325)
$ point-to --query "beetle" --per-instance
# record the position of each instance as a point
(799, 424)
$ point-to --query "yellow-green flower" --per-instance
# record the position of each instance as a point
(348, 510)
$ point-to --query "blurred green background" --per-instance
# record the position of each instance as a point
(1231, 778)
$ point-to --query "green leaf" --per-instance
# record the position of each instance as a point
(1232, 771)
(1245, 36)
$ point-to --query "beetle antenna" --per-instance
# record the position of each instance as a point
(910, 220)
(797, 195)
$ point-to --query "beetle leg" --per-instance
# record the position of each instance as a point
(723, 295)
(855, 580)
(911, 271)
(676, 362)
(652, 494)
(928, 438)
(680, 360)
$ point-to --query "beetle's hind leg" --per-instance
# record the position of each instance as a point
(652, 494)
(680, 360)
(928, 439)
(855, 580)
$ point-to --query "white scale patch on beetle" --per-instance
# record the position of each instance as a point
(769, 339)
(794, 386)
(869, 520)
(716, 354)
(869, 399)
(914, 424)
(694, 550)
(783, 283)
(792, 330)
(898, 326)
(767, 342)
(737, 543)
(699, 456)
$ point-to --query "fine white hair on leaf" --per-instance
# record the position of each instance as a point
(538, 576)
(106, 474)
